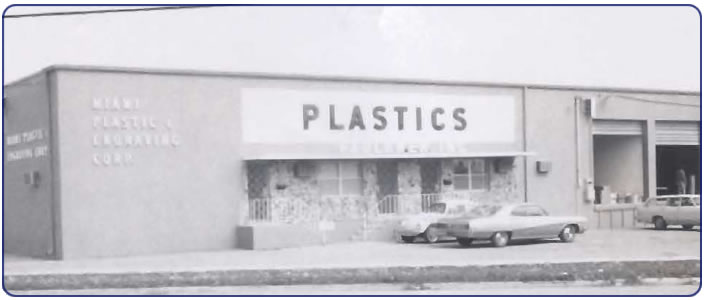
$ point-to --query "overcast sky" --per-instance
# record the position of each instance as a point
(637, 47)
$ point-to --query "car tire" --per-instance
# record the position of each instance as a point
(430, 236)
(465, 242)
(407, 239)
(500, 239)
(660, 223)
(567, 234)
(687, 227)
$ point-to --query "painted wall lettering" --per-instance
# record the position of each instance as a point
(20, 145)
(122, 131)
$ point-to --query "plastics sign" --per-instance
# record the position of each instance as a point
(375, 121)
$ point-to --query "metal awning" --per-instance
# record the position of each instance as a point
(340, 156)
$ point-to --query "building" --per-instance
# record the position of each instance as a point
(114, 162)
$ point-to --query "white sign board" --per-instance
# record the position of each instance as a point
(326, 225)
(276, 116)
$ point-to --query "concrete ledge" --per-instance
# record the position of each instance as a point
(267, 235)
(587, 271)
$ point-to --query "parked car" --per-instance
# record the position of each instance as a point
(503, 223)
(662, 211)
(419, 225)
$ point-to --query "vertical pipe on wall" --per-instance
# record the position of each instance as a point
(576, 155)
(243, 212)
(650, 159)
(523, 129)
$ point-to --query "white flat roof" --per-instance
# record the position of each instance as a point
(291, 76)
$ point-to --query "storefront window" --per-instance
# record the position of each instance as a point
(469, 174)
(340, 178)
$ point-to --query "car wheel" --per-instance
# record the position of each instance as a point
(687, 227)
(660, 223)
(500, 239)
(430, 236)
(567, 234)
(464, 241)
(407, 239)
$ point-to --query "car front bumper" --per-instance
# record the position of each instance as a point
(406, 232)
(468, 234)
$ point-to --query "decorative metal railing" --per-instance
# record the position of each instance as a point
(297, 210)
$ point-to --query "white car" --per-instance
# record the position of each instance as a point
(502, 223)
(419, 225)
(662, 211)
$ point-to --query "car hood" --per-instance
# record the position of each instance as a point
(456, 220)
(424, 217)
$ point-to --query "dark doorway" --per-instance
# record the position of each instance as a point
(669, 159)
(618, 168)
(387, 177)
(258, 179)
(430, 176)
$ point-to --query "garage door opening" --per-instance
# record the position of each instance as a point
(618, 168)
(672, 157)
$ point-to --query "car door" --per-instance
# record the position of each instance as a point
(658, 209)
(528, 222)
(544, 226)
(689, 212)
(520, 223)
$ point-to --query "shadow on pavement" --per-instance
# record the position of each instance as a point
(487, 244)
(696, 229)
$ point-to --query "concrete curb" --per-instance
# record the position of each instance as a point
(587, 271)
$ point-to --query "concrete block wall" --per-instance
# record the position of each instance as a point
(312, 206)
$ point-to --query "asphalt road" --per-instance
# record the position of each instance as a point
(668, 286)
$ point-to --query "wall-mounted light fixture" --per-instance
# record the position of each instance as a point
(32, 178)
(588, 106)
(543, 166)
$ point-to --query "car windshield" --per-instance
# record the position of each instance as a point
(483, 211)
(437, 208)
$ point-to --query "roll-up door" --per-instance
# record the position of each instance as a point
(677, 133)
(617, 127)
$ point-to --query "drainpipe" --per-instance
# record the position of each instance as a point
(577, 193)
(525, 158)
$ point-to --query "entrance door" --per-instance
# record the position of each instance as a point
(430, 178)
(387, 178)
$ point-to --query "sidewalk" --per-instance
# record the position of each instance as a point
(671, 251)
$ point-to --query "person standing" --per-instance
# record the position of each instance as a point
(681, 180)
